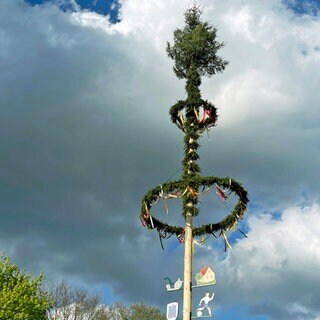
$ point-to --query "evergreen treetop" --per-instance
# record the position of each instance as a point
(195, 45)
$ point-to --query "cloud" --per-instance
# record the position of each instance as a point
(275, 268)
(73, 125)
(85, 132)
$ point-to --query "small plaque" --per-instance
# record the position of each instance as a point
(170, 286)
(172, 310)
(206, 276)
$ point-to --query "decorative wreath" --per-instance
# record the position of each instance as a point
(178, 189)
(204, 112)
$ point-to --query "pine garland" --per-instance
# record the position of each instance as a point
(175, 189)
(195, 54)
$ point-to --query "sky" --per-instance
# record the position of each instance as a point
(86, 87)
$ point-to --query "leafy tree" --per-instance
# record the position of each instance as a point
(21, 297)
(70, 303)
(140, 311)
(137, 311)
(118, 311)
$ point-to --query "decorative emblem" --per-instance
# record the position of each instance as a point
(206, 276)
(204, 304)
(172, 310)
(170, 286)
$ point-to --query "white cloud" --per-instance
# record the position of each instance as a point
(277, 265)
(93, 20)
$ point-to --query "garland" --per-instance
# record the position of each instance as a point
(177, 189)
(205, 120)
(195, 54)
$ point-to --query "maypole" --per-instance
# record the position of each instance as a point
(195, 54)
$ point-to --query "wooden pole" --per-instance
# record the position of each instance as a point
(187, 294)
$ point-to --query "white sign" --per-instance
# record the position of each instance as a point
(204, 304)
(172, 310)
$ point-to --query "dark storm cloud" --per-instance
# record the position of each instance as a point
(74, 130)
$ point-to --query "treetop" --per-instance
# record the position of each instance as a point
(196, 45)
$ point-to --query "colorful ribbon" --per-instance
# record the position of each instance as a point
(226, 242)
(196, 114)
(182, 120)
(220, 193)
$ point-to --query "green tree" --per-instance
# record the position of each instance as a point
(140, 311)
(69, 303)
(21, 296)
(137, 311)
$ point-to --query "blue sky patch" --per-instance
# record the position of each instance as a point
(238, 312)
(103, 7)
(300, 7)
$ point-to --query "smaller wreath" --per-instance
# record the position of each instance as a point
(204, 113)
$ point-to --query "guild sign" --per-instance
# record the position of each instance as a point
(172, 311)
(170, 286)
(204, 305)
(206, 276)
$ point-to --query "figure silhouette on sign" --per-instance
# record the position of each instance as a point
(203, 304)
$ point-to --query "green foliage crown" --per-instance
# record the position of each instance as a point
(196, 44)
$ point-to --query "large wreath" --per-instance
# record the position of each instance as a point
(177, 189)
